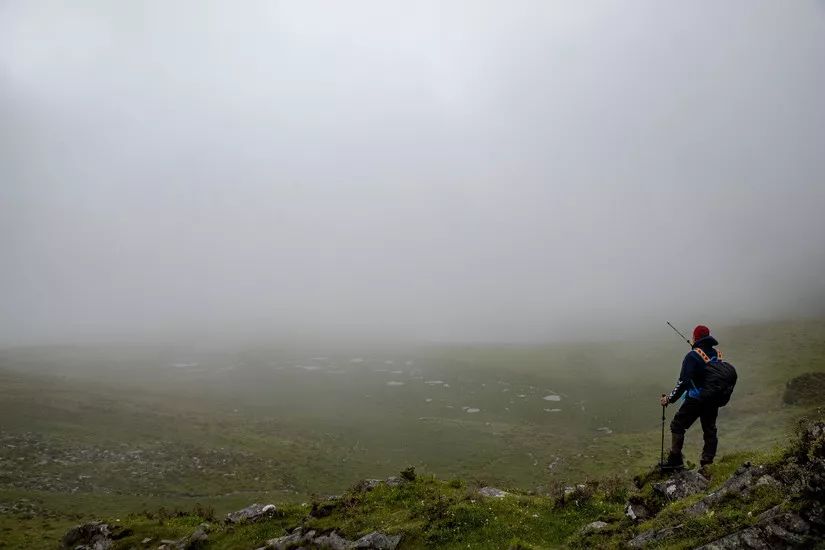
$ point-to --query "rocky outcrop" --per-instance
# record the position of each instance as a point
(681, 485)
(742, 483)
(798, 479)
(299, 538)
(777, 530)
(95, 535)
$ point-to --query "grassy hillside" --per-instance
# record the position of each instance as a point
(127, 429)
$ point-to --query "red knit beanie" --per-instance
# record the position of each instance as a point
(700, 332)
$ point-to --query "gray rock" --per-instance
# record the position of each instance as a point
(775, 531)
(95, 535)
(282, 543)
(636, 512)
(654, 535)
(377, 541)
(741, 483)
(197, 539)
(331, 541)
(367, 485)
(492, 492)
(251, 514)
(395, 481)
(595, 526)
(147, 540)
(681, 485)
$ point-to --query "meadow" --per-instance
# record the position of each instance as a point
(120, 429)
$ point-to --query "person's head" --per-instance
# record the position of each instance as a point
(701, 331)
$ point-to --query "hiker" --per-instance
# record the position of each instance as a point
(691, 381)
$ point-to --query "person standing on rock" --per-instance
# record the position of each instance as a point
(691, 381)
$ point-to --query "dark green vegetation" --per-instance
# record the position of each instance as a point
(108, 432)
(807, 389)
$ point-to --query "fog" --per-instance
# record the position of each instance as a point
(422, 171)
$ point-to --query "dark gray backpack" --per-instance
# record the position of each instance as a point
(720, 379)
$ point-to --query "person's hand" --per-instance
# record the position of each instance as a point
(663, 400)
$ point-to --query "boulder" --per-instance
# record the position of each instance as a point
(251, 514)
(681, 485)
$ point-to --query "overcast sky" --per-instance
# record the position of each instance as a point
(418, 170)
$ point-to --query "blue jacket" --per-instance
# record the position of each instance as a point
(692, 376)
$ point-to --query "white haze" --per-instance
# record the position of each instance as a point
(423, 171)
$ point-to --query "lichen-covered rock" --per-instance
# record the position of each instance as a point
(252, 513)
(681, 485)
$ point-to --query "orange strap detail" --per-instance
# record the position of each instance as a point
(702, 354)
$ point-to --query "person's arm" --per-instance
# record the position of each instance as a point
(685, 377)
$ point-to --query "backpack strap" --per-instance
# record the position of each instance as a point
(705, 357)
(702, 354)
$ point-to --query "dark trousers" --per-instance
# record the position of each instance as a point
(687, 414)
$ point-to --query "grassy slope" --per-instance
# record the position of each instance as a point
(284, 452)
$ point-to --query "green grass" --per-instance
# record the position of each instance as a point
(268, 430)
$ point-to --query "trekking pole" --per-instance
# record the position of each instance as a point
(679, 333)
(662, 454)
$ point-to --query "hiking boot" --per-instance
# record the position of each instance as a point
(674, 462)
(705, 462)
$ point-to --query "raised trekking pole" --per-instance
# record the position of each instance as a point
(662, 454)
(679, 333)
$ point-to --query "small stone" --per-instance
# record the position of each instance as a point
(492, 492)
(595, 526)
(636, 511)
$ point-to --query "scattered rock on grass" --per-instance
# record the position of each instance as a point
(252, 514)
(95, 535)
(332, 541)
(636, 511)
(492, 492)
